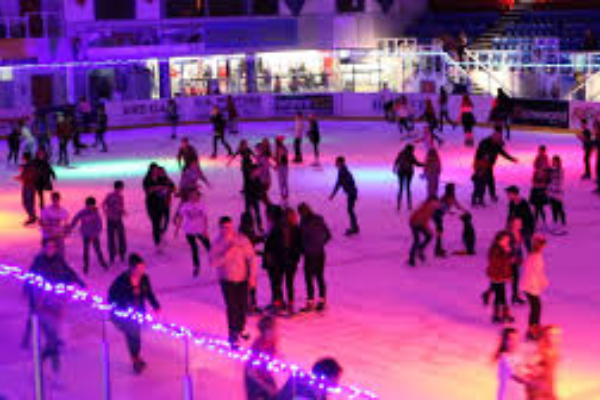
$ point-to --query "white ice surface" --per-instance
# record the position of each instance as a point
(414, 334)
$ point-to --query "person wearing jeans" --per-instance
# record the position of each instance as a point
(345, 181)
(420, 227)
(28, 177)
(234, 257)
(114, 210)
(131, 290)
(219, 124)
(191, 216)
(90, 229)
(499, 272)
(535, 283)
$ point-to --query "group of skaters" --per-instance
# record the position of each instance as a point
(66, 124)
(287, 235)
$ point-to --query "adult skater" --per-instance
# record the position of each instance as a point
(64, 134)
(510, 379)
(247, 159)
(187, 154)
(432, 171)
(263, 171)
(173, 117)
(404, 168)
(26, 137)
(44, 175)
(14, 145)
(192, 219)
(282, 167)
(467, 119)
(429, 116)
(345, 181)
(52, 267)
(404, 115)
(539, 191)
(113, 206)
(219, 125)
(274, 256)
(328, 369)
(534, 283)
(596, 142)
(101, 127)
(41, 132)
(232, 116)
(28, 178)
(158, 189)
(386, 99)
(488, 150)
(443, 100)
(556, 179)
(90, 229)
(314, 135)
(315, 235)
(502, 110)
(234, 258)
(420, 227)
(260, 383)
(292, 248)
(541, 379)
(585, 136)
(515, 228)
(299, 130)
(499, 272)
(253, 194)
(54, 222)
(480, 174)
(447, 203)
(518, 207)
(132, 290)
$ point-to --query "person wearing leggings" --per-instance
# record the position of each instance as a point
(131, 290)
(556, 177)
(158, 188)
(499, 272)
(191, 217)
(535, 283)
(444, 114)
(404, 168)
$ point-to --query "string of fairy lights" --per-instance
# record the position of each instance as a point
(208, 343)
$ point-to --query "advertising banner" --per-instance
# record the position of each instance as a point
(554, 113)
(583, 109)
(318, 104)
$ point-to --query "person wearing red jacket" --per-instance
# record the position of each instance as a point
(499, 271)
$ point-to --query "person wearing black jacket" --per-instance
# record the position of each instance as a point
(315, 235)
(502, 112)
(488, 150)
(219, 125)
(404, 168)
(345, 181)
(519, 208)
(444, 114)
(314, 135)
(101, 126)
(158, 188)
(52, 267)
(14, 145)
(44, 175)
(273, 257)
(588, 147)
(131, 290)
(173, 117)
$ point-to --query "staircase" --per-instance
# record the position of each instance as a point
(508, 20)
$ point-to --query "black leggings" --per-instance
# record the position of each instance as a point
(499, 290)
(444, 116)
(535, 309)
(404, 181)
(289, 273)
(558, 211)
(314, 269)
(516, 275)
(13, 155)
(404, 125)
(159, 217)
(216, 140)
(192, 240)
(133, 336)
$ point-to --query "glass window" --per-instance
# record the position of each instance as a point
(346, 6)
(226, 8)
(114, 9)
(183, 8)
(265, 7)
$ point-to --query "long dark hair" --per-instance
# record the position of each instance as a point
(503, 346)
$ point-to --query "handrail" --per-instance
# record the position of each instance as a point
(569, 96)
(487, 71)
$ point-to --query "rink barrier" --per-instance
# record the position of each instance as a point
(208, 343)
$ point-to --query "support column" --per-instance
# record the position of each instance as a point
(164, 74)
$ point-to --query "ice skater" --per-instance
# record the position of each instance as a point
(429, 116)
(299, 130)
(28, 177)
(219, 125)
(260, 382)
(158, 188)
(488, 151)
(585, 136)
(101, 126)
(247, 159)
(14, 146)
(448, 202)
(132, 290)
(45, 175)
(556, 179)
(282, 167)
(314, 135)
(345, 181)
(510, 379)
(518, 207)
(539, 191)
(234, 258)
(420, 227)
(502, 111)
(443, 100)
(404, 168)
(232, 116)
(64, 133)
(432, 170)
(535, 283)
(173, 117)
(467, 118)
(404, 116)
(90, 223)
(114, 210)
(191, 217)
(499, 272)
(54, 222)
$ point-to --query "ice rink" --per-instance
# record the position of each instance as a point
(405, 333)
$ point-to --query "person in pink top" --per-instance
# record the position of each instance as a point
(535, 283)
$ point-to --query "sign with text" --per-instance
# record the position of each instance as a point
(319, 104)
(553, 113)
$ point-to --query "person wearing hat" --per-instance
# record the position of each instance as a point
(535, 283)
(282, 166)
(518, 207)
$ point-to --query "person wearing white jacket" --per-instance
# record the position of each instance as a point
(534, 283)
(234, 258)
